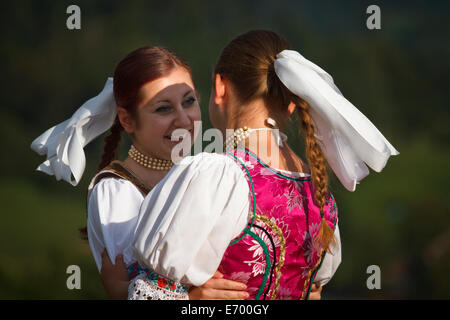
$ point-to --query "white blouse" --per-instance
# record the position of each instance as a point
(113, 209)
(187, 221)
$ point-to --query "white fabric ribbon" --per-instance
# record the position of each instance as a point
(63, 144)
(348, 139)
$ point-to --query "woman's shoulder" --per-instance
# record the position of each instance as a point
(112, 209)
(113, 199)
(116, 188)
(115, 183)
(210, 162)
(204, 158)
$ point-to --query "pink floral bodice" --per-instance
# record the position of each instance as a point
(276, 255)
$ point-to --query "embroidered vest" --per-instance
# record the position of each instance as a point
(276, 255)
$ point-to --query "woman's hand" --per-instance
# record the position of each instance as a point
(115, 281)
(218, 288)
(315, 293)
(114, 277)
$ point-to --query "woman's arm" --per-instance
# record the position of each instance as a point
(330, 263)
(115, 281)
(113, 208)
(114, 277)
(329, 266)
(188, 220)
(315, 293)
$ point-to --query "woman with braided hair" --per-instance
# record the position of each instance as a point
(258, 213)
(152, 95)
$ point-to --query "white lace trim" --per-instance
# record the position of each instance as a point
(141, 289)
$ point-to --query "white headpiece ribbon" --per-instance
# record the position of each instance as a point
(348, 139)
(63, 144)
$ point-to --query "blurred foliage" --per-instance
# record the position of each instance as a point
(398, 76)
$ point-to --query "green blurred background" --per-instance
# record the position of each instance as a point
(397, 76)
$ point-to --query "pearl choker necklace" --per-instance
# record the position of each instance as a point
(148, 162)
(243, 133)
(232, 141)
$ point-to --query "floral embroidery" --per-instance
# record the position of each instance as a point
(248, 164)
(152, 277)
(310, 249)
(294, 200)
(284, 294)
(278, 217)
(283, 187)
(162, 283)
(259, 262)
(286, 205)
(309, 243)
(240, 276)
(140, 288)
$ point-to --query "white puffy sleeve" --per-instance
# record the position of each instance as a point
(113, 209)
(188, 220)
(330, 263)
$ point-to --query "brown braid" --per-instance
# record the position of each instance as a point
(318, 165)
(248, 62)
(132, 72)
(109, 153)
(110, 150)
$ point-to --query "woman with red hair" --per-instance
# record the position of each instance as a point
(258, 212)
(151, 96)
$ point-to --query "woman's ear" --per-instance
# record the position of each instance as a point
(291, 108)
(126, 120)
(220, 89)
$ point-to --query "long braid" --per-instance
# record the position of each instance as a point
(319, 173)
(248, 63)
(139, 67)
(109, 153)
(110, 150)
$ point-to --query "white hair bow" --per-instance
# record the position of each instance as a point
(347, 138)
(63, 144)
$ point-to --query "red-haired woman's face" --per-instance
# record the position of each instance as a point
(166, 104)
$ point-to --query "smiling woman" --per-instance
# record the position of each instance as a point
(152, 95)
(165, 105)
(141, 80)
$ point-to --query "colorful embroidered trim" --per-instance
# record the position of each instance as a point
(157, 280)
(247, 229)
(276, 230)
(253, 235)
(314, 276)
(268, 262)
(274, 258)
(274, 171)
